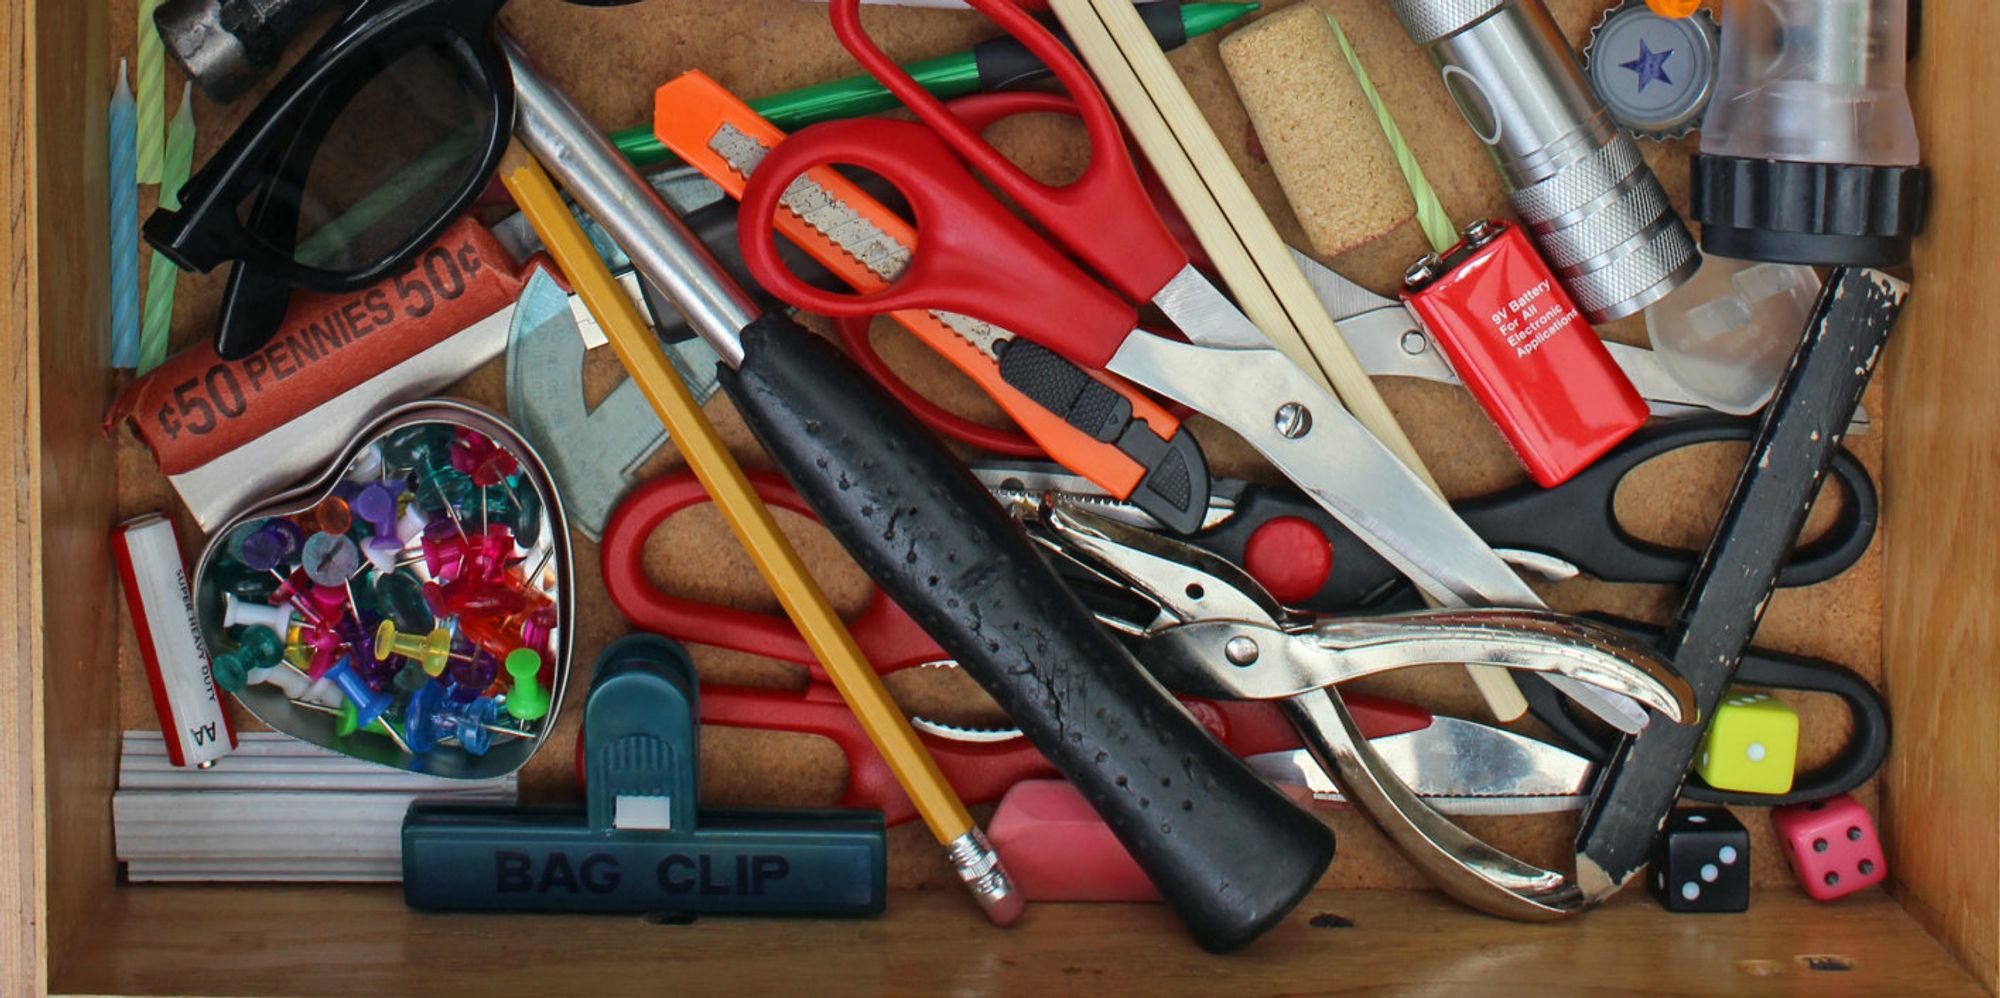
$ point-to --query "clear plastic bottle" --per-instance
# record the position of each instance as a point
(1817, 81)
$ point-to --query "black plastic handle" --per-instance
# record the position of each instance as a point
(1229, 852)
(1856, 762)
(1577, 521)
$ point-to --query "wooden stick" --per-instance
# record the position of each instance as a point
(753, 523)
(1252, 259)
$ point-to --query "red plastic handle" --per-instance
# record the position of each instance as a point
(972, 257)
(886, 634)
(979, 771)
(1103, 216)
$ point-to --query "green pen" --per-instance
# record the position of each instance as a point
(990, 65)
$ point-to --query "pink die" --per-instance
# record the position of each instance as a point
(1831, 845)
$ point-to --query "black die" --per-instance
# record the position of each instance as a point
(1701, 862)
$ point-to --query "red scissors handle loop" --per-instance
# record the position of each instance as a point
(853, 330)
(886, 634)
(973, 256)
(1102, 216)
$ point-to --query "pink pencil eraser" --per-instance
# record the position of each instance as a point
(1057, 849)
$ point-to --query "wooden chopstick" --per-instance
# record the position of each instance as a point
(1247, 251)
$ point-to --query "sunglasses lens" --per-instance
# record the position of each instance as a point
(376, 161)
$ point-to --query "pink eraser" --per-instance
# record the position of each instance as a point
(1057, 849)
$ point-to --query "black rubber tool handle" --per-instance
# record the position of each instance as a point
(1867, 742)
(1719, 611)
(1230, 853)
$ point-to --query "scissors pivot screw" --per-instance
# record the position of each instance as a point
(1240, 650)
(1414, 343)
(1294, 420)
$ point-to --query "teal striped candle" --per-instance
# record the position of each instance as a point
(124, 226)
(163, 275)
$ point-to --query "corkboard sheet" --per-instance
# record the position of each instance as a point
(610, 59)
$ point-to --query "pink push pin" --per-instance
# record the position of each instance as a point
(237, 613)
(444, 556)
(326, 645)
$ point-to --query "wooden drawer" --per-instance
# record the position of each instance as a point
(1910, 611)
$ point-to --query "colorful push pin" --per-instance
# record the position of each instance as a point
(501, 636)
(431, 650)
(526, 700)
(471, 676)
(238, 613)
(348, 721)
(330, 559)
(428, 720)
(368, 704)
(443, 490)
(326, 605)
(400, 597)
(376, 505)
(326, 647)
(486, 462)
(444, 555)
(234, 577)
(330, 516)
(418, 448)
(467, 598)
(273, 544)
(260, 648)
(368, 465)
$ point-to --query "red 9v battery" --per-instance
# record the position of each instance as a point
(1521, 346)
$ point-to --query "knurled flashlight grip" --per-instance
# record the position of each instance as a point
(1229, 852)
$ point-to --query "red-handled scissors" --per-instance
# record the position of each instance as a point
(975, 258)
(981, 764)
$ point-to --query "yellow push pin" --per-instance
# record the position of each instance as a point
(431, 650)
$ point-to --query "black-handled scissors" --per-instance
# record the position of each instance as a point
(1857, 761)
(1308, 560)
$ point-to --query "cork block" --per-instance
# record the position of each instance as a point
(1322, 138)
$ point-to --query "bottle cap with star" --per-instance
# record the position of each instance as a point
(1654, 74)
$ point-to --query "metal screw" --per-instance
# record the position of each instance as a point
(1415, 344)
(1480, 233)
(1422, 272)
(1294, 420)
(1240, 650)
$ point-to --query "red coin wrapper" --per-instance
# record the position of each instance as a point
(219, 427)
(1525, 352)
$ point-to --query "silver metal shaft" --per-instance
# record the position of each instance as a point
(657, 241)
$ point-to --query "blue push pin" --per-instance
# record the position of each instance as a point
(641, 843)
(368, 704)
(428, 719)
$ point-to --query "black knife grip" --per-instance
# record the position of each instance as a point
(1726, 596)
(1230, 853)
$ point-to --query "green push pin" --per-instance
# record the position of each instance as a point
(526, 699)
(258, 648)
(347, 721)
(230, 672)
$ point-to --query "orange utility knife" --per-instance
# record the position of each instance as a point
(1094, 424)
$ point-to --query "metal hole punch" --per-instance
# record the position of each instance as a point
(1217, 633)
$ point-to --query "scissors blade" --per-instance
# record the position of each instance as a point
(1461, 767)
(1323, 449)
(1205, 315)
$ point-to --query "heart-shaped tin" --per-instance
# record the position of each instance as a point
(411, 606)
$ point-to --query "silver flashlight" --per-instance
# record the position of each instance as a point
(1576, 179)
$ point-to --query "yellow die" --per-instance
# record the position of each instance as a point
(1752, 744)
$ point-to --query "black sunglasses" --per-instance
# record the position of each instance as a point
(361, 155)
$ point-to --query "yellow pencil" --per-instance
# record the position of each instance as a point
(746, 514)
